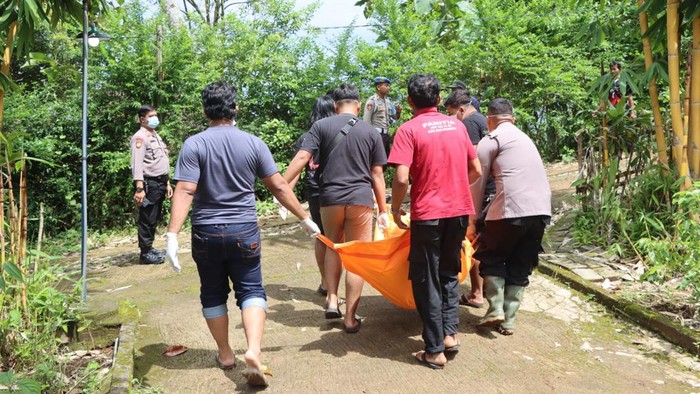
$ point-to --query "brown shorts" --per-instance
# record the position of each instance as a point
(343, 223)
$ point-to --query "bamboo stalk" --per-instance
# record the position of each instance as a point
(694, 132)
(672, 28)
(12, 209)
(40, 236)
(24, 209)
(686, 99)
(22, 227)
(6, 61)
(2, 218)
(661, 147)
(5, 69)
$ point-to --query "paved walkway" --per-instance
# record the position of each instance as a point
(562, 344)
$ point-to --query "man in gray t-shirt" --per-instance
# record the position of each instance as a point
(216, 170)
(351, 157)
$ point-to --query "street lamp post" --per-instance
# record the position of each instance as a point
(92, 37)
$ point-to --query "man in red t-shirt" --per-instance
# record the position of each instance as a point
(435, 150)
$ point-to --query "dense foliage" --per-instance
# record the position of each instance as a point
(539, 60)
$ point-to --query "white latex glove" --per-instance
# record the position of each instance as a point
(383, 221)
(281, 210)
(310, 227)
(171, 251)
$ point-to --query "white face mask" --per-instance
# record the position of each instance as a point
(153, 122)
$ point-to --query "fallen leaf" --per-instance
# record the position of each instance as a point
(174, 350)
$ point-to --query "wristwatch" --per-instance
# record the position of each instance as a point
(139, 189)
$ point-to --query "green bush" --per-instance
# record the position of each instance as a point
(31, 321)
(673, 251)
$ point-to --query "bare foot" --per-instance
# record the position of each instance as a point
(252, 360)
(451, 341)
(434, 361)
(255, 373)
(227, 357)
(475, 298)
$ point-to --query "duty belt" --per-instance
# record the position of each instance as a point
(382, 130)
(159, 178)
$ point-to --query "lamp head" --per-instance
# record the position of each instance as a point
(94, 36)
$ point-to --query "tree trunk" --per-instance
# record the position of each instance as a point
(679, 155)
(173, 12)
(653, 92)
(694, 132)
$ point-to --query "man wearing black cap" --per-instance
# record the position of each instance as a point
(380, 112)
(459, 85)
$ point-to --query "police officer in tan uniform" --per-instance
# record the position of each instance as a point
(380, 112)
(150, 169)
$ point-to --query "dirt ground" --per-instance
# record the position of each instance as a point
(563, 342)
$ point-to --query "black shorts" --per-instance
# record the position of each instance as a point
(509, 248)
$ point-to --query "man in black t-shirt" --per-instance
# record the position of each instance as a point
(458, 104)
(351, 156)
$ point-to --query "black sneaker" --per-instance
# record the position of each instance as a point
(151, 258)
(159, 252)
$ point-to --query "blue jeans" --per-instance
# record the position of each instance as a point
(223, 252)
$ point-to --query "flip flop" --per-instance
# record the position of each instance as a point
(333, 313)
(341, 302)
(463, 300)
(422, 358)
(222, 366)
(355, 329)
(256, 377)
(322, 291)
(453, 348)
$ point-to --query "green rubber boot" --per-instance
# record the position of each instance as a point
(493, 291)
(512, 298)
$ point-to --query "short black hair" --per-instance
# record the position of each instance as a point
(219, 101)
(616, 63)
(500, 106)
(144, 110)
(346, 91)
(424, 90)
(458, 98)
(323, 108)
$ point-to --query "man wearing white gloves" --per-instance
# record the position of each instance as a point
(435, 150)
(350, 174)
(217, 169)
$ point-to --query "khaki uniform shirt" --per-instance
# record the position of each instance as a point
(149, 155)
(377, 112)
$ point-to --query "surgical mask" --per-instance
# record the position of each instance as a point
(153, 122)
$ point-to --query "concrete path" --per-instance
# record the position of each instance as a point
(562, 343)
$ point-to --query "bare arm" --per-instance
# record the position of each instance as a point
(294, 181)
(474, 170)
(379, 187)
(399, 186)
(180, 206)
(284, 194)
(295, 166)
